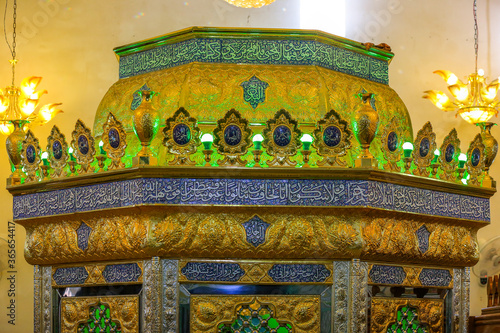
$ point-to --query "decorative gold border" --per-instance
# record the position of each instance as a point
(57, 165)
(331, 154)
(412, 276)
(181, 152)
(303, 312)
(384, 311)
(94, 271)
(475, 171)
(83, 159)
(232, 154)
(422, 163)
(114, 153)
(256, 272)
(449, 169)
(30, 169)
(123, 309)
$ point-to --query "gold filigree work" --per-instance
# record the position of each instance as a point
(30, 156)
(181, 137)
(332, 139)
(124, 310)
(448, 158)
(114, 141)
(58, 152)
(83, 147)
(384, 313)
(423, 152)
(302, 312)
(475, 160)
(232, 138)
(391, 143)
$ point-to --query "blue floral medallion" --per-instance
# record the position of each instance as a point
(254, 91)
(181, 134)
(474, 158)
(255, 229)
(332, 136)
(449, 152)
(282, 136)
(392, 141)
(232, 135)
(114, 138)
(30, 154)
(424, 148)
(83, 144)
(57, 149)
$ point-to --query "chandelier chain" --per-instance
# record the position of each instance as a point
(476, 34)
(14, 35)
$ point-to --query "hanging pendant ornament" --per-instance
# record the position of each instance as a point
(250, 3)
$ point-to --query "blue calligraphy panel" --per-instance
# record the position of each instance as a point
(382, 274)
(423, 238)
(122, 273)
(70, 275)
(209, 271)
(435, 277)
(256, 51)
(255, 230)
(288, 273)
(82, 235)
(252, 192)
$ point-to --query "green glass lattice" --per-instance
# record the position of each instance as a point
(407, 322)
(255, 318)
(99, 321)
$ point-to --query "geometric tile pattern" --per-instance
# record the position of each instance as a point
(253, 192)
(254, 51)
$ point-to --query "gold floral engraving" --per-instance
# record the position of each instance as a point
(83, 147)
(232, 137)
(450, 150)
(332, 139)
(210, 312)
(281, 139)
(384, 313)
(391, 142)
(212, 233)
(114, 141)
(57, 148)
(475, 160)
(423, 151)
(181, 137)
(30, 157)
(124, 312)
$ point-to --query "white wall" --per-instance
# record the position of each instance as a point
(69, 43)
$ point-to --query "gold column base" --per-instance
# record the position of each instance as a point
(144, 160)
(488, 181)
(366, 162)
(13, 180)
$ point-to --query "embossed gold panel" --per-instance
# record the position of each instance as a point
(123, 311)
(210, 312)
(384, 314)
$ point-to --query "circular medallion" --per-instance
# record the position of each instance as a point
(57, 149)
(449, 152)
(474, 158)
(425, 146)
(332, 136)
(181, 134)
(114, 138)
(392, 141)
(232, 135)
(282, 136)
(30, 154)
(83, 144)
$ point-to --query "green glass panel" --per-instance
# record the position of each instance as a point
(108, 314)
(273, 323)
(399, 316)
(255, 322)
(282, 330)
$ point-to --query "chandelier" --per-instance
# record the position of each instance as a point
(475, 100)
(250, 3)
(19, 108)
